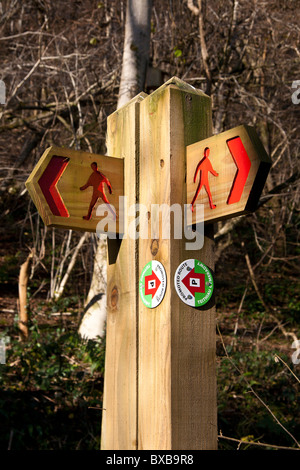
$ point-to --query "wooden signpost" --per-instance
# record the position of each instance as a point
(160, 388)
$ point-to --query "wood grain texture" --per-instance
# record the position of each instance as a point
(177, 406)
(223, 163)
(74, 176)
(119, 423)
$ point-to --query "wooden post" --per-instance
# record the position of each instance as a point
(119, 422)
(177, 404)
(160, 375)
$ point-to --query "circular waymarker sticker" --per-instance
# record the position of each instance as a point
(194, 282)
(153, 284)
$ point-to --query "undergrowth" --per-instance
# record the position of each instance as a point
(51, 390)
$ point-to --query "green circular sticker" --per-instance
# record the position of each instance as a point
(194, 282)
(153, 284)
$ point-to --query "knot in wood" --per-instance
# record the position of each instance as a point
(114, 297)
(154, 247)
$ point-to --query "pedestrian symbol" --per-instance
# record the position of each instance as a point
(204, 167)
(97, 180)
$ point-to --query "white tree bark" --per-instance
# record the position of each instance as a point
(133, 76)
(93, 322)
(136, 49)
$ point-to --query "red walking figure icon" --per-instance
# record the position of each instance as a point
(204, 166)
(97, 180)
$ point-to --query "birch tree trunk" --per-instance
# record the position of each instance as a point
(93, 322)
(133, 76)
(136, 49)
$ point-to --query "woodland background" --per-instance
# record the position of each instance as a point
(61, 64)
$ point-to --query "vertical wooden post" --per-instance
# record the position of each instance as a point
(177, 406)
(160, 374)
(119, 422)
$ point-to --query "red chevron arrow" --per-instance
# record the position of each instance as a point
(243, 163)
(48, 181)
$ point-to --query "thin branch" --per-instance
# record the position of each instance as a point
(59, 291)
(253, 280)
(275, 418)
(294, 178)
(279, 358)
(252, 443)
(252, 390)
(26, 33)
(204, 52)
(267, 309)
(21, 83)
(192, 7)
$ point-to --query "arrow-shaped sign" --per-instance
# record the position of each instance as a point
(48, 181)
(68, 186)
(226, 173)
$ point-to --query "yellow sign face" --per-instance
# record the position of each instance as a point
(226, 173)
(75, 190)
